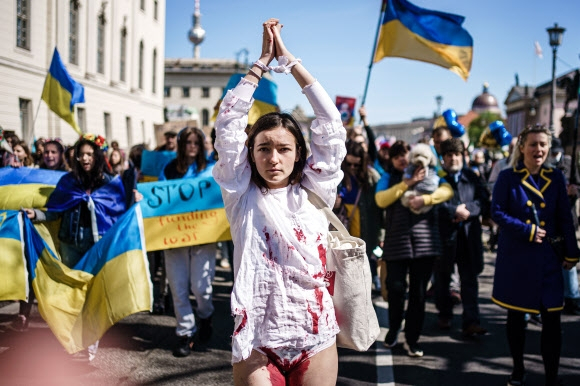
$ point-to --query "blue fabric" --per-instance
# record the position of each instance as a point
(109, 199)
(528, 275)
(438, 27)
(59, 73)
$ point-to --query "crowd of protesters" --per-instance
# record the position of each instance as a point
(415, 238)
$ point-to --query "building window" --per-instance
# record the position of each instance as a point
(108, 127)
(123, 56)
(129, 131)
(101, 42)
(142, 5)
(205, 92)
(25, 106)
(204, 117)
(185, 92)
(141, 53)
(73, 32)
(23, 24)
(82, 119)
(167, 91)
(155, 9)
(154, 72)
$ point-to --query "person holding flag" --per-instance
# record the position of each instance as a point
(89, 200)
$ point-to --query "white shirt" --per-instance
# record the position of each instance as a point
(279, 297)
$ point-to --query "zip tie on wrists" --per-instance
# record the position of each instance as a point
(262, 66)
(285, 67)
(254, 73)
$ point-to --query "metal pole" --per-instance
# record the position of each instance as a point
(383, 7)
(573, 167)
(553, 91)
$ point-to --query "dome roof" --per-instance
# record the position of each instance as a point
(485, 102)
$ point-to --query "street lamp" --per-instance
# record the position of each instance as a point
(438, 100)
(555, 33)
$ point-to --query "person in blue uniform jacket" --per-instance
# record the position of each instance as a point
(531, 207)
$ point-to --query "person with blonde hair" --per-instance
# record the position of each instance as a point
(536, 239)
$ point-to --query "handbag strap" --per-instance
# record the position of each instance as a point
(330, 216)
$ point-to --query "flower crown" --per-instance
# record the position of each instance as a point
(98, 140)
(55, 139)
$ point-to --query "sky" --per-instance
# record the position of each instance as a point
(335, 41)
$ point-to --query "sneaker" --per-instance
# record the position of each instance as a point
(20, 324)
(392, 338)
(536, 319)
(474, 329)
(205, 330)
(183, 347)
(414, 350)
(224, 263)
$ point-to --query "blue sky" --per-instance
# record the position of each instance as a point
(335, 41)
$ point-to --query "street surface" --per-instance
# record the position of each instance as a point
(138, 351)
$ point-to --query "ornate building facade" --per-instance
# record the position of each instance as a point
(115, 49)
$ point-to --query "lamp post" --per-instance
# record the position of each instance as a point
(555, 33)
(438, 100)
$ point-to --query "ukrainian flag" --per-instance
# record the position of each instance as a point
(415, 33)
(26, 187)
(265, 97)
(109, 283)
(61, 92)
(13, 274)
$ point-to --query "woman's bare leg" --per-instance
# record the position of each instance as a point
(318, 370)
(257, 370)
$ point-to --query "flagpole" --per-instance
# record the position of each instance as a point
(383, 7)
(31, 135)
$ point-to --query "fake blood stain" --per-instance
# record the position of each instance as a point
(242, 323)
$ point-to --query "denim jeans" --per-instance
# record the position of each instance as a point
(191, 268)
(571, 283)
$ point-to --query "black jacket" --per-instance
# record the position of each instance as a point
(471, 191)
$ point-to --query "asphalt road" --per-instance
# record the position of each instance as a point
(138, 351)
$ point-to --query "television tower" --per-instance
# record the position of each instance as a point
(196, 33)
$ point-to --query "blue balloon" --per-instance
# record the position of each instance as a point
(500, 133)
(456, 128)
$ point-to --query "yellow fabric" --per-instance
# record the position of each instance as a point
(398, 41)
(115, 292)
(13, 272)
(15, 197)
(258, 109)
(58, 100)
(180, 230)
(388, 197)
(443, 193)
(79, 307)
(354, 228)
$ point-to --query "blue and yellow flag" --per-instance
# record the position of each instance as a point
(408, 31)
(13, 272)
(183, 212)
(26, 187)
(61, 92)
(153, 162)
(110, 282)
(265, 97)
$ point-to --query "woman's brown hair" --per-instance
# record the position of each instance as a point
(268, 122)
(200, 160)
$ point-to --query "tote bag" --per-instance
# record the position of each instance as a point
(348, 275)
